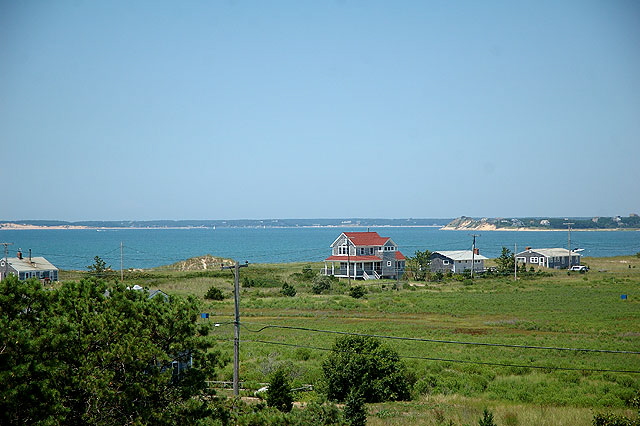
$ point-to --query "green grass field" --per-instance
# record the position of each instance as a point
(453, 381)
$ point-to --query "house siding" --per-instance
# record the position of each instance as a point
(456, 266)
(553, 262)
(374, 255)
(437, 263)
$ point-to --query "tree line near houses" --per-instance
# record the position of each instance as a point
(93, 351)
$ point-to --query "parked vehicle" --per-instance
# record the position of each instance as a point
(579, 268)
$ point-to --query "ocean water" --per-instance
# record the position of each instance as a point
(146, 248)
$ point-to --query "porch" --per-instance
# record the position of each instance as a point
(354, 270)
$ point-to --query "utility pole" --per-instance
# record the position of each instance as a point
(515, 262)
(121, 272)
(236, 334)
(473, 254)
(6, 260)
(569, 242)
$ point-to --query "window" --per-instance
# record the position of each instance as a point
(533, 260)
(388, 263)
(445, 262)
(521, 259)
(343, 249)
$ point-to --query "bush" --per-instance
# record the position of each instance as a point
(610, 419)
(261, 282)
(279, 392)
(357, 291)
(214, 293)
(307, 272)
(364, 365)
(321, 283)
(288, 290)
(355, 412)
(487, 418)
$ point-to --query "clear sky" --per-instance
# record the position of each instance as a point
(139, 110)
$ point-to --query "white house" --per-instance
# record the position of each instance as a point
(555, 258)
(28, 267)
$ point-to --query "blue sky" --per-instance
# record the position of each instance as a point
(145, 110)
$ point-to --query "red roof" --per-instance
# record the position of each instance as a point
(366, 238)
(400, 256)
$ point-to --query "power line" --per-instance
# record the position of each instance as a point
(418, 339)
(497, 364)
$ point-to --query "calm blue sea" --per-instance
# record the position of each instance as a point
(146, 248)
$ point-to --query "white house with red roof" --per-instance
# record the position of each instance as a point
(364, 255)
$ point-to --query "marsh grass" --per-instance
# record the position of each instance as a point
(554, 310)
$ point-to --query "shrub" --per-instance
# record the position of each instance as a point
(307, 272)
(321, 283)
(355, 412)
(261, 282)
(279, 392)
(487, 418)
(214, 293)
(610, 419)
(365, 365)
(288, 290)
(357, 291)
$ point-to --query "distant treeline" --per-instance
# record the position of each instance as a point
(237, 223)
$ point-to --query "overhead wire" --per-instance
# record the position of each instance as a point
(418, 339)
(497, 364)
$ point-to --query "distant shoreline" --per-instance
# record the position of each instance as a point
(18, 227)
(524, 229)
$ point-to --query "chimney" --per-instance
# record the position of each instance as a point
(528, 248)
(19, 255)
(476, 251)
(30, 256)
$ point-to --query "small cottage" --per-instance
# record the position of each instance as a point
(457, 261)
(554, 258)
(28, 267)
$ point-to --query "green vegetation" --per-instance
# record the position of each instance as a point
(288, 290)
(279, 393)
(99, 268)
(357, 291)
(364, 368)
(214, 293)
(419, 265)
(506, 261)
(487, 418)
(91, 354)
(448, 382)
